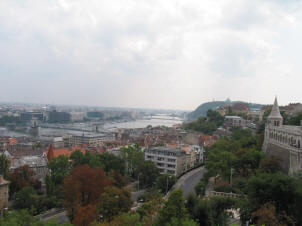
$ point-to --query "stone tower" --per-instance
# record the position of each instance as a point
(283, 141)
(275, 118)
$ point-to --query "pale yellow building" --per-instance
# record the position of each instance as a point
(3, 192)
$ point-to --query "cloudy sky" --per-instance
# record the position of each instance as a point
(172, 54)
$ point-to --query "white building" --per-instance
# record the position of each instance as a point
(168, 160)
(283, 141)
(234, 121)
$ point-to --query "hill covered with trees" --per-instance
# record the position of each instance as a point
(202, 109)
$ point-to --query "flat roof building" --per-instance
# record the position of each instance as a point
(168, 160)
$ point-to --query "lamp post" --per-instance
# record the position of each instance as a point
(167, 184)
(138, 182)
(231, 179)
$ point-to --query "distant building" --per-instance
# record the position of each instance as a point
(25, 155)
(88, 140)
(194, 154)
(222, 110)
(292, 109)
(222, 132)
(38, 164)
(283, 141)
(77, 116)
(4, 185)
(29, 116)
(58, 117)
(6, 142)
(234, 121)
(168, 160)
(58, 142)
(241, 108)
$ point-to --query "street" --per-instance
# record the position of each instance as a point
(188, 181)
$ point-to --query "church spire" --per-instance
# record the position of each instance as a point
(275, 113)
(50, 153)
(275, 117)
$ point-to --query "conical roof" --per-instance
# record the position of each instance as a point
(275, 113)
(50, 153)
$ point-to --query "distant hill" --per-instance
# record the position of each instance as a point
(202, 109)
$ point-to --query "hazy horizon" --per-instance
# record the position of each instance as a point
(150, 54)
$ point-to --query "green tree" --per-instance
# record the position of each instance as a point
(165, 182)
(114, 202)
(182, 222)
(200, 188)
(133, 155)
(214, 116)
(111, 162)
(78, 158)
(125, 219)
(296, 120)
(147, 173)
(4, 165)
(211, 211)
(284, 191)
(207, 124)
(59, 168)
(270, 165)
(23, 218)
(174, 210)
(26, 199)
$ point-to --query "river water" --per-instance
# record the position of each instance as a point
(79, 128)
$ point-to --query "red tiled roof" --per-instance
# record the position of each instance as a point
(13, 141)
(63, 151)
(241, 107)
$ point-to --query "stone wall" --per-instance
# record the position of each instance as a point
(282, 153)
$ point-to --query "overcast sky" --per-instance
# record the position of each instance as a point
(173, 54)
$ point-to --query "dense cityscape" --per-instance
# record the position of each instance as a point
(78, 166)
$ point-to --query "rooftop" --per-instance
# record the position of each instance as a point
(233, 117)
(168, 149)
(31, 161)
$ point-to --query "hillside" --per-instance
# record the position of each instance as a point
(202, 109)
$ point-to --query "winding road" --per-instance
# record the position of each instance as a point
(188, 181)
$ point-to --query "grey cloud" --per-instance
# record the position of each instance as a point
(143, 53)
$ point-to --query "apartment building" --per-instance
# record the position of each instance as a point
(234, 121)
(168, 160)
(88, 140)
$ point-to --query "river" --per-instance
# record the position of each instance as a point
(78, 128)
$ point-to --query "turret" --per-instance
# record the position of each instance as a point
(275, 118)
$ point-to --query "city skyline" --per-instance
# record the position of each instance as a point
(159, 55)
